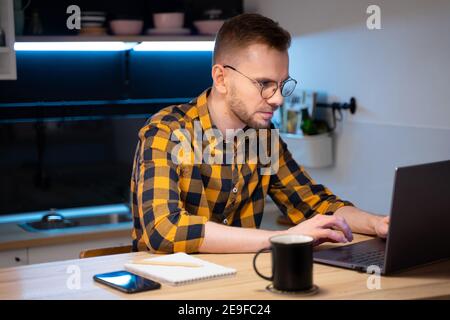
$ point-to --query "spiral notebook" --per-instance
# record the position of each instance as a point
(178, 275)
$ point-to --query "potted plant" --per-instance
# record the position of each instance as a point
(310, 140)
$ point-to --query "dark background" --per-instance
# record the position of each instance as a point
(69, 123)
(55, 15)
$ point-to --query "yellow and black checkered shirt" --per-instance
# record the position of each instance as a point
(172, 202)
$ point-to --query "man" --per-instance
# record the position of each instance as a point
(217, 208)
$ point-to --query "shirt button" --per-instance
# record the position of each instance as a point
(225, 221)
(235, 190)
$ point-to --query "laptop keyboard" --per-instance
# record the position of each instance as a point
(367, 258)
(359, 256)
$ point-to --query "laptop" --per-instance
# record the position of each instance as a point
(419, 228)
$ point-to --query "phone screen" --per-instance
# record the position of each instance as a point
(126, 281)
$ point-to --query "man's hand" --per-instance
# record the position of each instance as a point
(364, 222)
(324, 229)
(382, 226)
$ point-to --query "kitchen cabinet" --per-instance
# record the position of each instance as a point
(13, 258)
(21, 247)
(7, 54)
(72, 250)
(56, 252)
(96, 75)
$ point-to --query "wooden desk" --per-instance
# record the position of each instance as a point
(48, 281)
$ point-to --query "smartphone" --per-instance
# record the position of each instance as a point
(126, 281)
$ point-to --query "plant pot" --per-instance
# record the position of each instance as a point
(310, 151)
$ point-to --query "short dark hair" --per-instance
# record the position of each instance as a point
(250, 28)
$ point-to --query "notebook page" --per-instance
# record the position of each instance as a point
(176, 275)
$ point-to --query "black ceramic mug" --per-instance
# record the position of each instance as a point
(292, 262)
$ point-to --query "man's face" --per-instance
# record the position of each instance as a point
(260, 63)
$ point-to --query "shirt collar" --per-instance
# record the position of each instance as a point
(201, 103)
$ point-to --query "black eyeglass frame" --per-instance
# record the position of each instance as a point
(262, 86)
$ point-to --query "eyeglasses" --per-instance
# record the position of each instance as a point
(268, 88)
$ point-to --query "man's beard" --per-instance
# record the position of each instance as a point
(238, 108)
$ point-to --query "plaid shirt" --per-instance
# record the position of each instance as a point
(172, 202)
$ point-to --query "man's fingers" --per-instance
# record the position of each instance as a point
(383, 230)
(334, 236)
(338, 223)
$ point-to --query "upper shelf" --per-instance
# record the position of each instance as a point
(113, 38)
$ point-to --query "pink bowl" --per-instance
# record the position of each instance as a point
(170, 20)
(126, 27)
(208, 26)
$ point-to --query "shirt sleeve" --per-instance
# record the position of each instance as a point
(167, 226)
(296, 194)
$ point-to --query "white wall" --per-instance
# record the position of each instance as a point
(400, 76)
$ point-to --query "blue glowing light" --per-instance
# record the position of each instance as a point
(115, 46)
(175, 46)
(74, 46)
